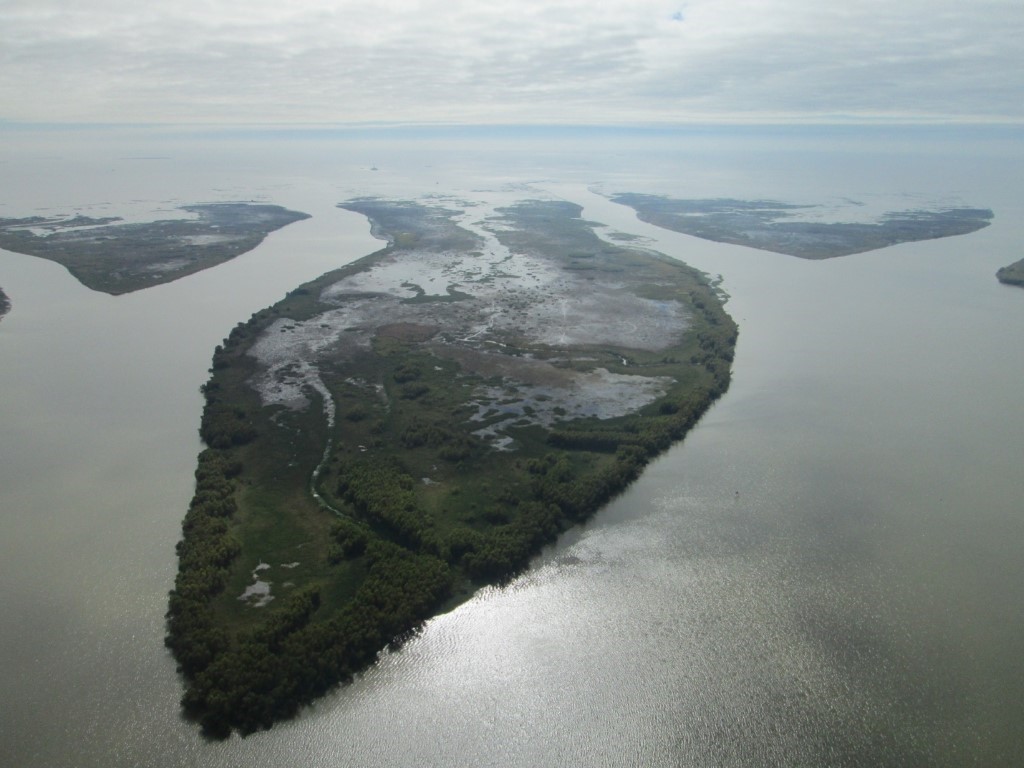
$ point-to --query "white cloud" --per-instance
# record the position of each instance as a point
(555, 61)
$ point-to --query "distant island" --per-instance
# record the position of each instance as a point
(770, 225)
(1012, 274)
(107, 255)
(5, 304)
(398, 432)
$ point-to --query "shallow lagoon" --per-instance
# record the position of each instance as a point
(826, 571)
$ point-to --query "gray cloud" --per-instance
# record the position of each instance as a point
(556, 61)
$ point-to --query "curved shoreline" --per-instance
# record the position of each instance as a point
(114, 257)
(421, 525)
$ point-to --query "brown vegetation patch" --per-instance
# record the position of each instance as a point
(408, 332)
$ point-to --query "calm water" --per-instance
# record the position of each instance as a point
(826, 572)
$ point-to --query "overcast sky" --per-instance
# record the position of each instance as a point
(510, 61)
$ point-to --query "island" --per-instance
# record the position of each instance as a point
(770, 225)
(5, 304)
(399, 432)
(106, 254)
(1013, 274)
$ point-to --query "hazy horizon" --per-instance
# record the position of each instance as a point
(569, 61)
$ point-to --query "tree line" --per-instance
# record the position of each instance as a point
(401, 561)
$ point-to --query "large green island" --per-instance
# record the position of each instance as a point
(106, 254)
(397, 433)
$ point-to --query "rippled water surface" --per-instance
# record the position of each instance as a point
(826, 572)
